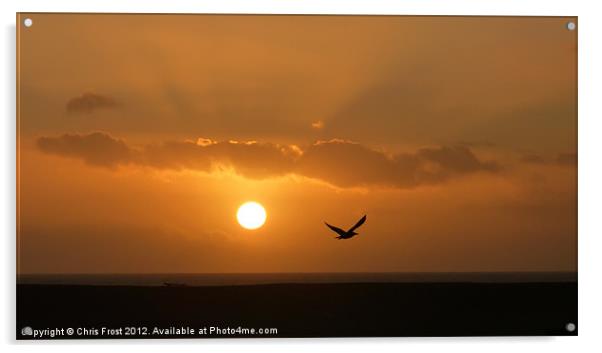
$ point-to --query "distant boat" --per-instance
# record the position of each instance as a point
(170, 284)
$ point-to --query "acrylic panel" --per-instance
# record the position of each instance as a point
(204, 176)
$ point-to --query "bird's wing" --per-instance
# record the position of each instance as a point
(358, 224)
(335, 229)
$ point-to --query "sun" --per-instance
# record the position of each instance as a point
(251, 215)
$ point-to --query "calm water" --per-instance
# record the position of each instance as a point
(219, 279)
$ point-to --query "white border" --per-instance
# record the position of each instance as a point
(590, 171)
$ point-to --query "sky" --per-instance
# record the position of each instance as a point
(139, 136)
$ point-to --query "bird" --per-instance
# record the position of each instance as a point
(349, 233)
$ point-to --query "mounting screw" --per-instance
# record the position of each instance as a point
(28, 22)
(571, 26)
(570, 327)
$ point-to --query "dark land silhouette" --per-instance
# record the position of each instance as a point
(309, 310)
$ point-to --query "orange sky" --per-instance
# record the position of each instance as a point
(140, 135)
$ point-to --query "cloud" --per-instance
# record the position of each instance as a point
(338, 162)
(89, 102)
(562, 159)
(533, 159)
(249, 158)
(96, 148)
(317, 124)
(349, 164)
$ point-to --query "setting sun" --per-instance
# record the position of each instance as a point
(251, 215)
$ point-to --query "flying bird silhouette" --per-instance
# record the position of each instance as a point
(349, 233)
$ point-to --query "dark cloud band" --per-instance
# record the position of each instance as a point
(338, 162)
(89, 102)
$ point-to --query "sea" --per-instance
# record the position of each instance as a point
(240, 279)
